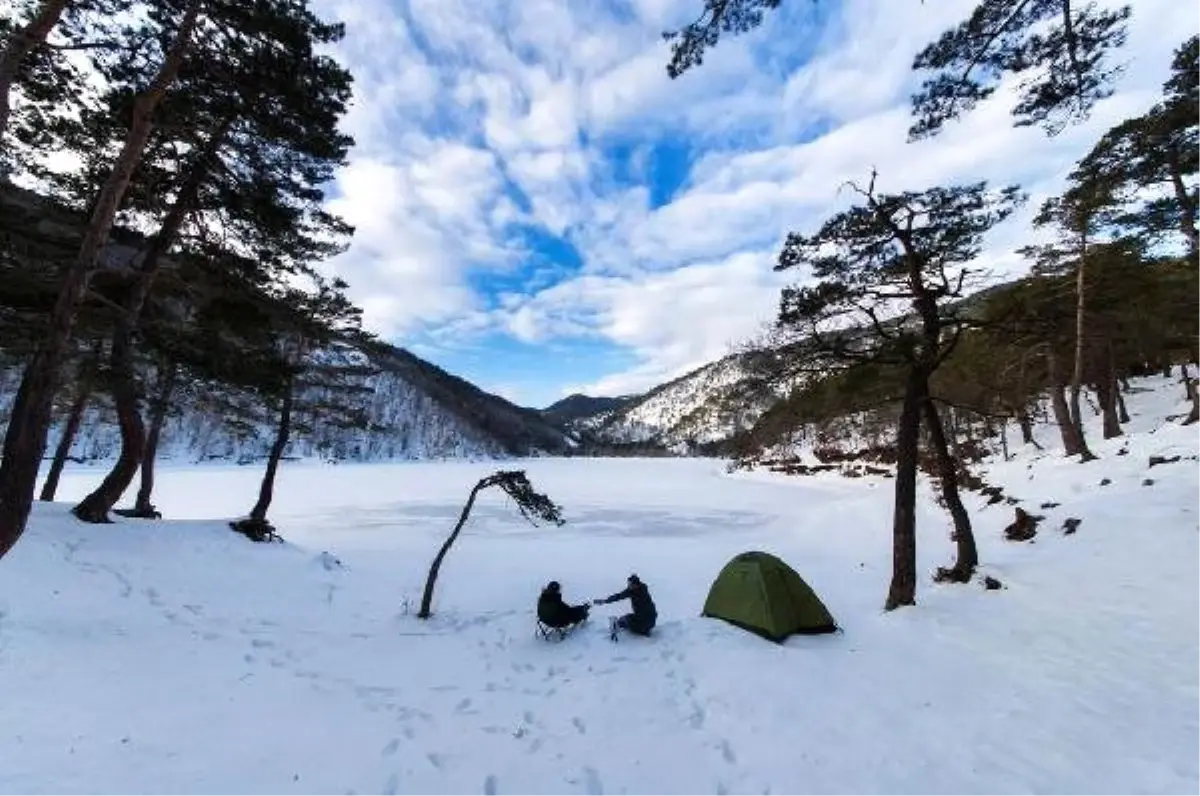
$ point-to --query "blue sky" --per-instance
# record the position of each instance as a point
(539, 209)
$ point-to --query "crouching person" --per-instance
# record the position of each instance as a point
(644, 615)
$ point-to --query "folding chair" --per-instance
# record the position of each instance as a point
(548, 633)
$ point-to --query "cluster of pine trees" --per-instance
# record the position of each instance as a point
(161, 226)
(892, 324)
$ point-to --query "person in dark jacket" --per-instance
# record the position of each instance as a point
(554, 611)
(644, 615)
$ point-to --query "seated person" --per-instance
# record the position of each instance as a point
(644, 616)
(554, 612)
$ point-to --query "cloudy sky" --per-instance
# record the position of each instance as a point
(541, 210)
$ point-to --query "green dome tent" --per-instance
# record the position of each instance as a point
(760, 593)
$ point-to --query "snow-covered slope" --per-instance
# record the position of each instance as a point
(706, 405)
(178, 657)
(413, 409)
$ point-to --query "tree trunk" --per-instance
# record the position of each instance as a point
(1193, 395)
(1122, 410)
(967, 553)
(29, 420)
(436, 566)
(17, 49)
(1058, 403)
(1026, 425)
(1187, 211)
(95, 507)
(267, 491)
(903, 588)
(1110, 402)
(70, 430)
(158, 416)
(1085, 453)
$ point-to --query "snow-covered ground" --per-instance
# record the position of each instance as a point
(178, 657)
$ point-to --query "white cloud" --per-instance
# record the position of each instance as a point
(458, 100)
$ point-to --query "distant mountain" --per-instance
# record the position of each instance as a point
(703, 410)
(578, 407)
(697, 410)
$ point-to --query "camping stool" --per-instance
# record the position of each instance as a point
(548, 633)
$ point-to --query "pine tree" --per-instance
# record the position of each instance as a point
(267, 107)
(311, 331)
(1142, 155)
(889, 253)
(1061, 50)
(29, 420)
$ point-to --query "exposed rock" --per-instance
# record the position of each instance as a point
(1024, 527)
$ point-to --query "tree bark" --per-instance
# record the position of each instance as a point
(29, 420)
(967, 554)
(436, 566)
(267, 490)
(1058, 403)
(70, 431)
(903, 588)
(158, 416)
(18, 48)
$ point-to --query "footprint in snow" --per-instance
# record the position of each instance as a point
(435, 759)
(463, 705)
(592, 781)
(490, 785)
(579, 725)
(392, 785)
(727, 752)
(390, 748)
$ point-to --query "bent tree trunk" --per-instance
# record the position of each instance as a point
(436, 566)
(158, 415)
(70, 431)
(29, 419)
(267, 490)
(967, 554)
(18, 48)
(95, 507)
(903, 588)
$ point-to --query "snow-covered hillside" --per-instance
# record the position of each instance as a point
(176, 656)
(709, 404)
(413, 410)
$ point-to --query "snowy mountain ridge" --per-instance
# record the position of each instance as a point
(707, 405)
(413, 410)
